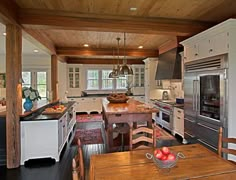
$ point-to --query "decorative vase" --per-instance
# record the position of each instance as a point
(28, 105)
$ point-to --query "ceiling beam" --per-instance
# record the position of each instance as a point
(101, 61)
(8, 12)
(40, 40)
(104, 52)
(32, 18)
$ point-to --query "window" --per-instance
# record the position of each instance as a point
(37, 80)
(92, 79)
(98, 79)
(121, 83)
(107, 83)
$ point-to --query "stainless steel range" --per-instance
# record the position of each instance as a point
(165, 115)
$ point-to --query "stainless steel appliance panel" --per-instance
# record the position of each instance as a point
(190, 87)
(208, 133)
(190, 125)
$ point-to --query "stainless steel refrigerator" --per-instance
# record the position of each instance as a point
(205, 97)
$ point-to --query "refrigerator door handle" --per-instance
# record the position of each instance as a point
(197, 96)
(193, 95)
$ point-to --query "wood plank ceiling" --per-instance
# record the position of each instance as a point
(69, 24)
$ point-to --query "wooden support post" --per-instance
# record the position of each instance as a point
(13, 94)
(54, 76)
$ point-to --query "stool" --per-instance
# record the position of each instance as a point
(121, 128)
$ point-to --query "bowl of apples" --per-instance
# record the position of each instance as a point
(164, 158)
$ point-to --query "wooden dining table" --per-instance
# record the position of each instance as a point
(199, 163)
(130, 112)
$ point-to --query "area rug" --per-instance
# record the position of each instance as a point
(88, 136)
(89, 118)
(162, 134)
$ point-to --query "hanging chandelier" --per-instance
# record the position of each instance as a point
(125, 69)
(115, 72)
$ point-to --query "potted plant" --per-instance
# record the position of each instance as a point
(29, 94)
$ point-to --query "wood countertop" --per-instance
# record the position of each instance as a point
(131, 106)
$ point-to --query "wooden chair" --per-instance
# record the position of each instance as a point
(142, 137)
(78, 164)
(225, 140)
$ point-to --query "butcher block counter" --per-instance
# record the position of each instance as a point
(131, 112)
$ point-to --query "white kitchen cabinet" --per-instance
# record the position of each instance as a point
(138, 79)
(212, 42)
(150, 73)
(178, 122)
(139, 98)
(73, 75)
(191, 52)
(88, 104)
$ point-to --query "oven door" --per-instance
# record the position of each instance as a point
(166, 119)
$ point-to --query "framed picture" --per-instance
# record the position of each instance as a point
(2, 80)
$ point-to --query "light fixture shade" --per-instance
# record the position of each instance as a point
(126, 70)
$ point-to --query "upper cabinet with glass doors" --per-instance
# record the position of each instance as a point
(73, 77)
(139, 72)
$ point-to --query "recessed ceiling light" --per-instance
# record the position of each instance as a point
(86, 45)
(36, 50)
(4, 34)
(140, 47)
(133, 9)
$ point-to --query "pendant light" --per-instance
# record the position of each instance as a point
(116, 70)
(125, 69)
(114, 73)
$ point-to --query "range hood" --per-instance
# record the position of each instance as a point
(169, 65)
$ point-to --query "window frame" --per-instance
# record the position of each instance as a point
(34, 83)
(100, 87)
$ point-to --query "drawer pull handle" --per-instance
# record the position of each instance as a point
(200, 124)
(189, 120)
(178, 117)
(203, 142)
(117, 115)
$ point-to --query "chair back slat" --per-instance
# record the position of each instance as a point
(78, 164)
(142, 134)
(225, 140)
(142, 139)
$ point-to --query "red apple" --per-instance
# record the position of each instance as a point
(171, 157)
(158, 154)
(164, 157)
(165, 150)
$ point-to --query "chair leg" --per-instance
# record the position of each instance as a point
(122, 142)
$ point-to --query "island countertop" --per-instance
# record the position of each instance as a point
(38, 108)
(131, 106)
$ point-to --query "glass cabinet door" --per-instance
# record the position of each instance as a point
(210, 96)
(73, 77)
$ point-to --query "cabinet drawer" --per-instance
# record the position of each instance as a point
(178, 112)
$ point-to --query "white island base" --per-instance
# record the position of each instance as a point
(45, 138)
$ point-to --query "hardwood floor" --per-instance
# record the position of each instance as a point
(47, 169)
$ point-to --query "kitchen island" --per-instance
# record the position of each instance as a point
(131, 112)
(44, 135)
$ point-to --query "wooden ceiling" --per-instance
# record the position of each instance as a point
(64, 26)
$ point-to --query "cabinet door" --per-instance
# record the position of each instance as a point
(73, 77)
(220, 43)
(191, 52)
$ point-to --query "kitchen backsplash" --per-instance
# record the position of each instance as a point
(174, 90)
